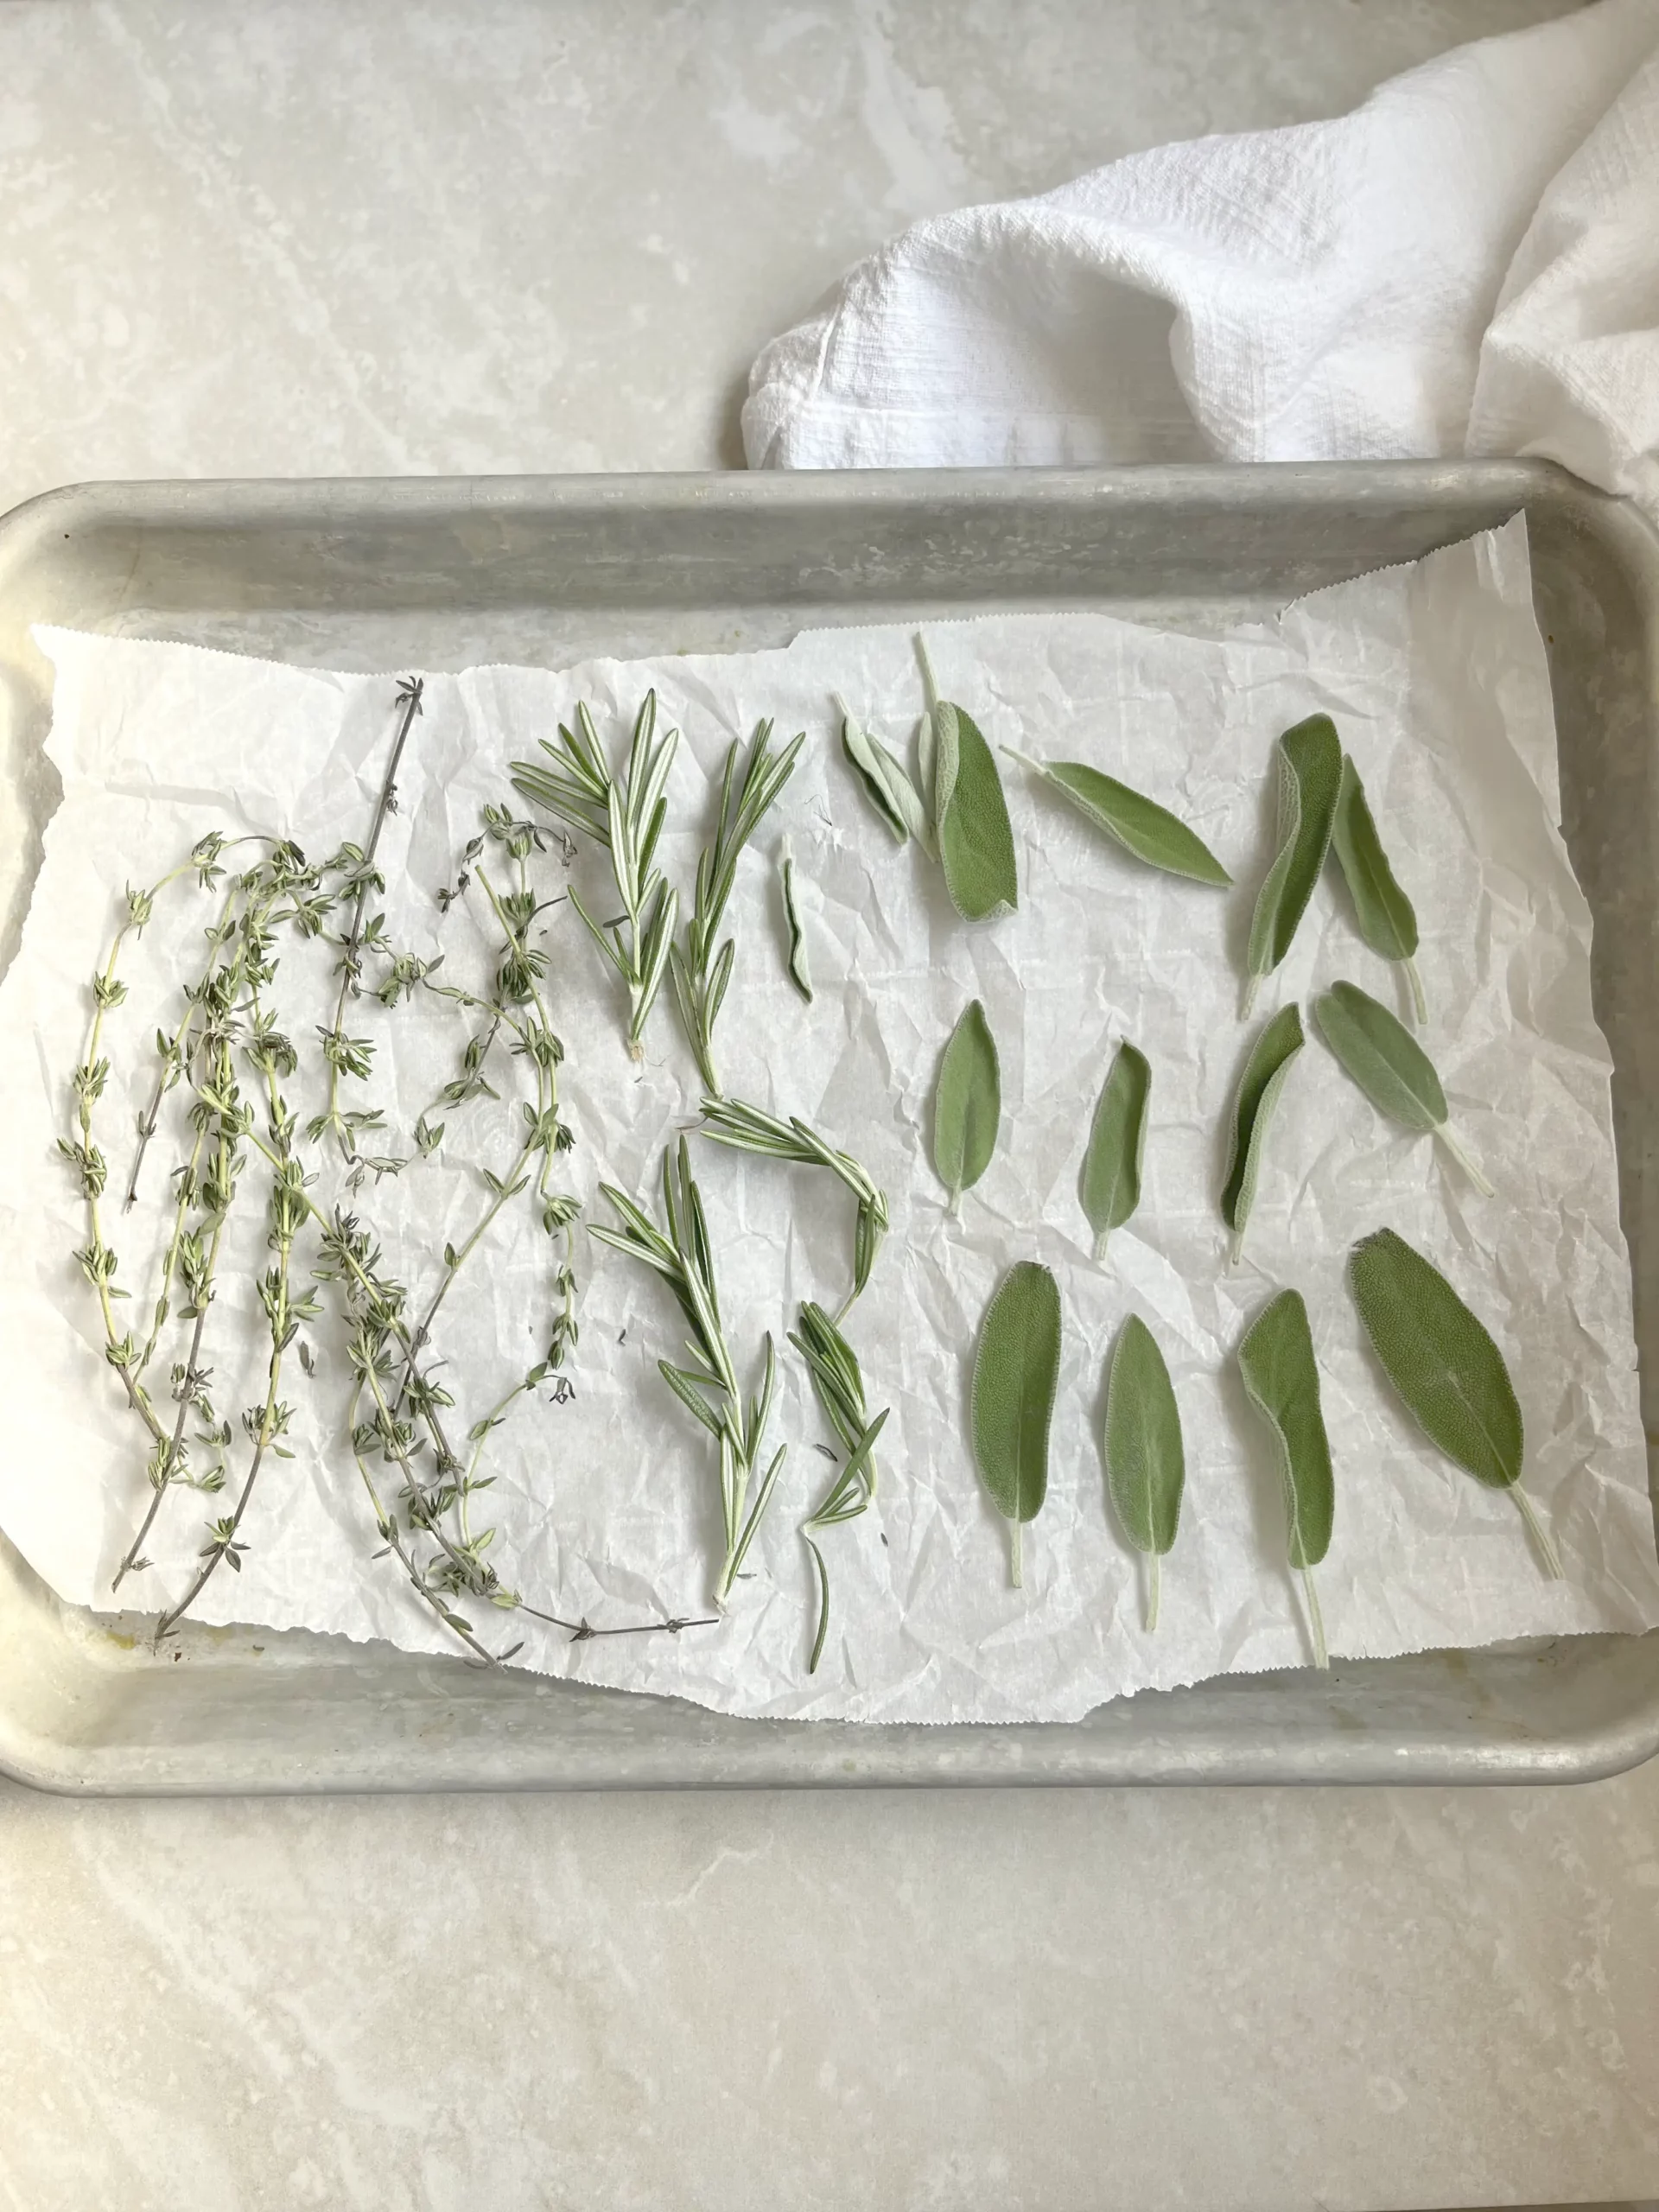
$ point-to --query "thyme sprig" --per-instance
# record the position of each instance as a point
(626, 818)
(231, 1025)
(747, 1128)
(350, 1056)
(709, 1389)
(702, 969)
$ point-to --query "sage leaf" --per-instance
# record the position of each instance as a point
(1017, 1369)
(1139, 824)
(1390, 1067)
(885, 783)
(968, 1106)
(798, 974)
(945, 753)
(970, 816)
(976, 837)
(1387, 919)
(1451, 1376)
(1260, 1087)
(1110, 1185)
(1146, 1463)
(1282, 1379)
(1309, 775)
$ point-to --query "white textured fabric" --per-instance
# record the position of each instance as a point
(1467, 263)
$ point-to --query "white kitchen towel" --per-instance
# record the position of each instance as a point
(1467, 263)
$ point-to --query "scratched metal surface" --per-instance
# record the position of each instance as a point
(442, 572)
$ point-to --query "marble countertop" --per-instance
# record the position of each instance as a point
(494, 235)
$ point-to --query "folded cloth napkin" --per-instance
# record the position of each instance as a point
(1468, 263)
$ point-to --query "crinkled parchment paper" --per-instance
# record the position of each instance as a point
(606, 1505)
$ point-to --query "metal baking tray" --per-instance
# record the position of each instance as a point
(440, 573)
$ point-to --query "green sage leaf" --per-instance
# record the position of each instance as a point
(1110, 1185)
(1146, 1463)
(1387, 919)
(1139, 824)
(799, 973)
(1260, 1087)
(1281, 1378)
(1309, 775)
(1390, 1067)
(1017, 1369)
(976, 837)
(1451, 1376)
(968, 1106)
(1381, 1056)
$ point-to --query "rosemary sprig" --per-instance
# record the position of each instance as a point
(709, 1390)
(838, 1383)
(701, 969)
(747, 1128)
(627, 819)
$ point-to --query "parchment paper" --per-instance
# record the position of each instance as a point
(606, 1505)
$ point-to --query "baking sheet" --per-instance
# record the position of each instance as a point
(1436, 675)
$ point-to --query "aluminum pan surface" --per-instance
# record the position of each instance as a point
(446, 571)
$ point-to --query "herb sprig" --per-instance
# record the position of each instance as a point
(702, 969)
(627, 817)
(709, 1389)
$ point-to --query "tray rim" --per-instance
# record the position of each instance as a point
(957, 1755)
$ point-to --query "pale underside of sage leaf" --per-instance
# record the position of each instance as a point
(1387, 1063)
(1281, 1378)
(1110, 1185)
(967, 1105)
(799, 974)
(1309, 760)
(1449, 1373)
(1138, 824)
(1260, 1088)
(883, 781)
(1387, 919)
(1017, 1369)
(1145, 1462)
